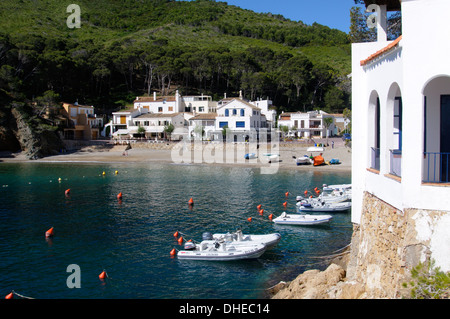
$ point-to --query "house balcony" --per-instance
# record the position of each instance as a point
(436, 167)
(396, 162)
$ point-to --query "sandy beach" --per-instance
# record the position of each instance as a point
(200, 153)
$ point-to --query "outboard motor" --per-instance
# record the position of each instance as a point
(207, 236)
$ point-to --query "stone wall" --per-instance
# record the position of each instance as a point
(385, 247)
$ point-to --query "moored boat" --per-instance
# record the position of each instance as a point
(302, 219)
(317, 206)
(238, 238)
(215, 251)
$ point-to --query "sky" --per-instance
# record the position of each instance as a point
(332, 13)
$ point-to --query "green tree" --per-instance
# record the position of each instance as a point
(168, 130)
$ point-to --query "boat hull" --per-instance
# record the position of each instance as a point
(327, 207)
(240, 253)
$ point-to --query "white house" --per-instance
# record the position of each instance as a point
(307, 125)
(123, 119)
(240, 117)
(155, 124)
(160, 104)
(401, 126)
(203, 125)
(268, 110)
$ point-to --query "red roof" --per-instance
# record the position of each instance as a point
(382, 51)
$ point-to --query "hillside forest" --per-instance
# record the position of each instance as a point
(126, 48)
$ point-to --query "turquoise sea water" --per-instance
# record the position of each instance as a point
(131, 239)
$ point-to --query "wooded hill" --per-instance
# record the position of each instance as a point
(127, 48)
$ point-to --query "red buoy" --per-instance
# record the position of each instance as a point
(119, 196)
(249, 219)
(259, 207)
(285, 204)
(306, 193)
(180, 240)
(67, 192)
(270, 216)
(261, 212)
(287, 194)
(9, 296)
(191, 201)
(173, 252)
(102, 275)
(176, 234)
(49, 233)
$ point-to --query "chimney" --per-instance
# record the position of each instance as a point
(240, 94)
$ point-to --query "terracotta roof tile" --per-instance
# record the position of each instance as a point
(381, 52)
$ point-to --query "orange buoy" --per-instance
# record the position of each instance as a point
(10, 295)
(173, 252)
(306, 193)
(285, 204)
(119, 196)
(261, 212)
(49, 233)
(270, 216)
(180, 240)
(191, 201)
(287, 194)
(249, 219)
(176, 234)
(259, 207)
(67, 192)
(103, 275)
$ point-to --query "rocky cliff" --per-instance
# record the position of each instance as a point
(21, 130)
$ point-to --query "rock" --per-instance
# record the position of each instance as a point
(313, 284)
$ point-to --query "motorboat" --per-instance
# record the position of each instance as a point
(250, 156)
(323, 206)
(238, 238)
(338, 189)
(302, 219)
(215, 251)
(303, 160)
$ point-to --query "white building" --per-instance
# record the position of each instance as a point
(160, 104)
(240, 117)
(307, 125)
(176, 104)
(401, 124)
(155, 124)
(268, 110)
(203, 126)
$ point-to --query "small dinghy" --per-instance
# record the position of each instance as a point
(303, 160)
(250, 156)
(215, 251)
(238, 238)
(305, 220)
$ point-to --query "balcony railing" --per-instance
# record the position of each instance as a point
(436, 167)
(396, 162)
(375, 158)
